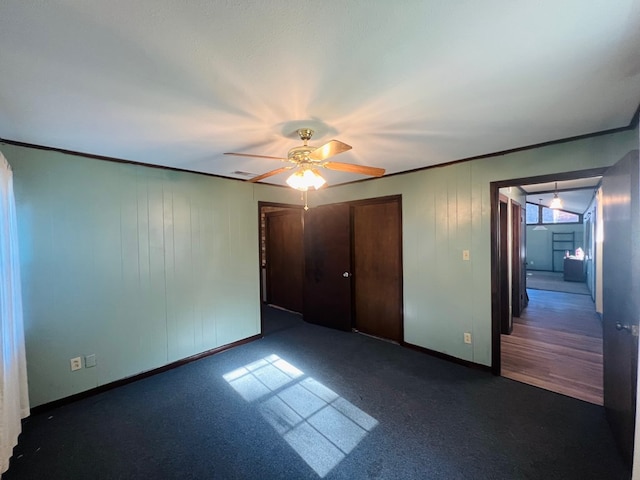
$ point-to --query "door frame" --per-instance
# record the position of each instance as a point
(286, 255)
(496, 299)
(506, 318)
(262, 242)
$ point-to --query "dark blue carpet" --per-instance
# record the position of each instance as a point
(308, 402)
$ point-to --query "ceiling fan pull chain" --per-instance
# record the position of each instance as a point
(304, 194)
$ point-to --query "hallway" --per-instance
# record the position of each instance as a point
(557, 345)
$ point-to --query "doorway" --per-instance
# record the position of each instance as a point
(504, 264)
(281, 256)
(620, 270)
(555, 343)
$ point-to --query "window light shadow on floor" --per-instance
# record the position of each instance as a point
(320, 425)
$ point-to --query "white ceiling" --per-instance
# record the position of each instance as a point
(407, 83)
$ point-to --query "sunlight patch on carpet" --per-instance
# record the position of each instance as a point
(318, 424)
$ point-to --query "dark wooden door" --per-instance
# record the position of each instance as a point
(524, 298)
(503, 249)
(518, 268)
(285, 258)
(621, 284)
(377, 268)
(327, 286)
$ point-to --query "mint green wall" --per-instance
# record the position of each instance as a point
(446, 210)
(139, 266)
(540, 245)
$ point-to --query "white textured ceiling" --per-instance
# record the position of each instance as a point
(407, 83)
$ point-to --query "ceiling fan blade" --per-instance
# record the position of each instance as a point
(252, 155)
(351, 168)
(329, 149)
(269, 174)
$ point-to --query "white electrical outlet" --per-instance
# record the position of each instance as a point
(465, 254)
(76, 363)
(467, 337)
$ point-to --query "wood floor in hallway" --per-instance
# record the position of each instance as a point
(556, 344)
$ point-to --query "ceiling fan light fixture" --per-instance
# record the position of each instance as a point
(306, 160)
(305, 178)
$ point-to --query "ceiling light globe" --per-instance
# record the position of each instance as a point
(556, 203)
(304, 179)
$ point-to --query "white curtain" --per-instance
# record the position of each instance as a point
(14, 398)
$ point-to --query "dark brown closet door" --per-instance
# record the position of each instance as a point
(327, 286)
(285, 259)
(377, 272)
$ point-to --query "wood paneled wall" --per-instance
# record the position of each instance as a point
(139, 266)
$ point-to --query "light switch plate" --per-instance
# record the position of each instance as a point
(90, 361)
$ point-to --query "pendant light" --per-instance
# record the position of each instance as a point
(556, 203)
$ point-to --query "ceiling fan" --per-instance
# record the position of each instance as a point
(306, 160)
